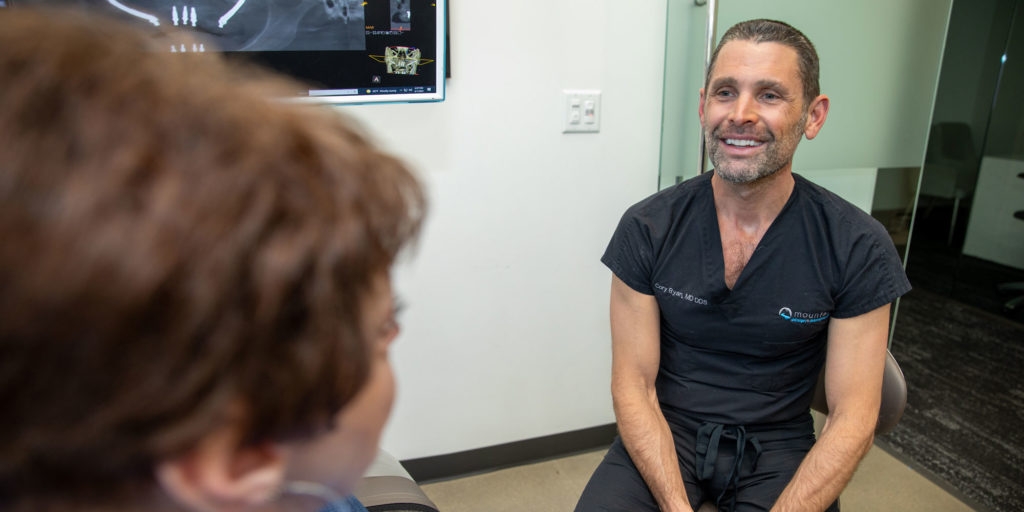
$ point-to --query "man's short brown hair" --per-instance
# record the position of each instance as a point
(178, 243)
(772, 31)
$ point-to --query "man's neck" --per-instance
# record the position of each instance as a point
(754, 205)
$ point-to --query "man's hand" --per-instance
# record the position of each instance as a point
(853, 387)
(636, 354)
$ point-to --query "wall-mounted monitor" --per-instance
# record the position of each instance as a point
(349, 51)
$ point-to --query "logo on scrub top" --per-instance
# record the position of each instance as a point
(802, 318)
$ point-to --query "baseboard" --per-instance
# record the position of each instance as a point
(452, 465)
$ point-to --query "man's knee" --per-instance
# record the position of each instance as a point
(616, 486)
(759, 489)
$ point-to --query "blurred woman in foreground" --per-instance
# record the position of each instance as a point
(195, 304)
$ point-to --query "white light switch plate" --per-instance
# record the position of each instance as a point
(582, 111)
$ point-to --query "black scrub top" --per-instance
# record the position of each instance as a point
(751, 355)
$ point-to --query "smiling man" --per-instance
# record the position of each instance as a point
(730, 291)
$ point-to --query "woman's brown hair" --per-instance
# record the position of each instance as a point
(176, 240)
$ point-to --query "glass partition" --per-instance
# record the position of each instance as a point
(968, 231)
(684, 75)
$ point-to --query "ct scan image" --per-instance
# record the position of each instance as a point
(401, 15)
(247, 25)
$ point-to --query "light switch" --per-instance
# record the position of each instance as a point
(589, 112)
(582, 111)
(575, 111)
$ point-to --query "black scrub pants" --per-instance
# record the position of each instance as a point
(708, 462)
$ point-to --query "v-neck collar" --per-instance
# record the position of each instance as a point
(711, 240)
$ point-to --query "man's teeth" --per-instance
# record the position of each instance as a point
(742, 142)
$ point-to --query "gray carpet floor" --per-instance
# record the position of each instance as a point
(964, 422)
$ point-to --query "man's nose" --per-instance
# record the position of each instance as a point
(744, 110)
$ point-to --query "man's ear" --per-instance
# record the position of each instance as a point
(219, 474)
(816, 114)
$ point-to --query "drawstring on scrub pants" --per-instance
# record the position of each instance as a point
(708, 438)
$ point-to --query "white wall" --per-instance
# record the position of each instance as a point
(506, 335)
(992, 232)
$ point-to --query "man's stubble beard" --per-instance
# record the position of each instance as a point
(776, 155)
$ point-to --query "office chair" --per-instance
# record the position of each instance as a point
(387, 486)
(894, 396)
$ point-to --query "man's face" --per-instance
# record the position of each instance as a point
(753, 112)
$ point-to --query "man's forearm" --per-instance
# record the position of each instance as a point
(650, 445)
(827, 468)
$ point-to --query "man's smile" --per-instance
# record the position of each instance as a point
(743, 142)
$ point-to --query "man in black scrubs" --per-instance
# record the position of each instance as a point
(728, 289)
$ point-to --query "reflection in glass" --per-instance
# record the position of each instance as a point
(968, 233)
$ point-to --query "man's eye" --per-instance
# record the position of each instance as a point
(771, 96)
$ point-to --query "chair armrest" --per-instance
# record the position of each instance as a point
(387, 487)
(894, 395)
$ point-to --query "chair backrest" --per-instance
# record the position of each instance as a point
(894, 395)
(951, 142)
